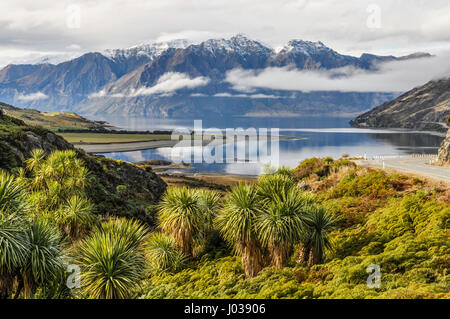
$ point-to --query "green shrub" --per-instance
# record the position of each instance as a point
(163, 253)
(311, 166)
(375, 184)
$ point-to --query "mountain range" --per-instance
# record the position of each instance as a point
(183, 79)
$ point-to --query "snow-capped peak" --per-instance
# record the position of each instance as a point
(150, 50)
(305, 47)
(238, 43)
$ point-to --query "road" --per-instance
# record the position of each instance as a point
(411, 165)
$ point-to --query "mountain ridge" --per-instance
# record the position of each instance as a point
(96, 80)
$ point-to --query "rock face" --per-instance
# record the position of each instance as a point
(18, 140)
(424, 108)
(444, 151)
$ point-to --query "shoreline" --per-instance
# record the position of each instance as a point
(101, 148)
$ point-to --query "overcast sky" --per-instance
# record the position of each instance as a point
(29, 28)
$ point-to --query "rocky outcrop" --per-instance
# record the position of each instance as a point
(424, 108)
(17, 140)
(444, 151)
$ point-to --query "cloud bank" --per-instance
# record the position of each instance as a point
(399, 76)
(171, 82)
(405, 25)
(167, 84)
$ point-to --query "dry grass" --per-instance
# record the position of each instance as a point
(221, 183)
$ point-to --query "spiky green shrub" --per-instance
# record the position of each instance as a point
(14, 247)
(113, 260)
(163, 253)
(316, 236)
(30, 250)
(280, 225)
(58, 191)
(182, 215)
(210, 203)
(271, 186)
(44, 264)
(236, 223)
(76, 217)
(60, 176)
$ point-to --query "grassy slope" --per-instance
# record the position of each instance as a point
(400, 223)
(52, 121)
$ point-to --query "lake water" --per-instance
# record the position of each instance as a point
(321, 137)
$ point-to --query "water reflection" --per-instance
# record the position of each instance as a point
(323, 137)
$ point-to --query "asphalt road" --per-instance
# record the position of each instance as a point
(416, 166)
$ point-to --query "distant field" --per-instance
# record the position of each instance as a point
(101, 138)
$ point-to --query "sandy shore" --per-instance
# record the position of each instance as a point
(139, 146)
(124, 147)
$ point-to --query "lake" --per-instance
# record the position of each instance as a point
(320, 137)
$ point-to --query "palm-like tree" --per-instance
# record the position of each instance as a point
(14, 247)
(181, 215)
(12, 194)
(271, 186)
(62, 168)
(76, 217)
(132, 231)
(236, 223)
(209, 202)
(36, 160)
(113, 259)
(44, 262)
(58, 186)
(280, 225)
(163, 253)
(319, 225)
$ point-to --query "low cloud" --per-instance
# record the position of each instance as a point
(248, 96)
(240, 95)
(171, 82)
(32, 96)
(166, 85)
(399, 76)
(102, 93)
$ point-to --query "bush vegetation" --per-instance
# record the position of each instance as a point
(310, 232)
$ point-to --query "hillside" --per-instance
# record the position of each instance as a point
(117, 188)
(396, 222)
(53, 121)
(179, 79)
(424, 108)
